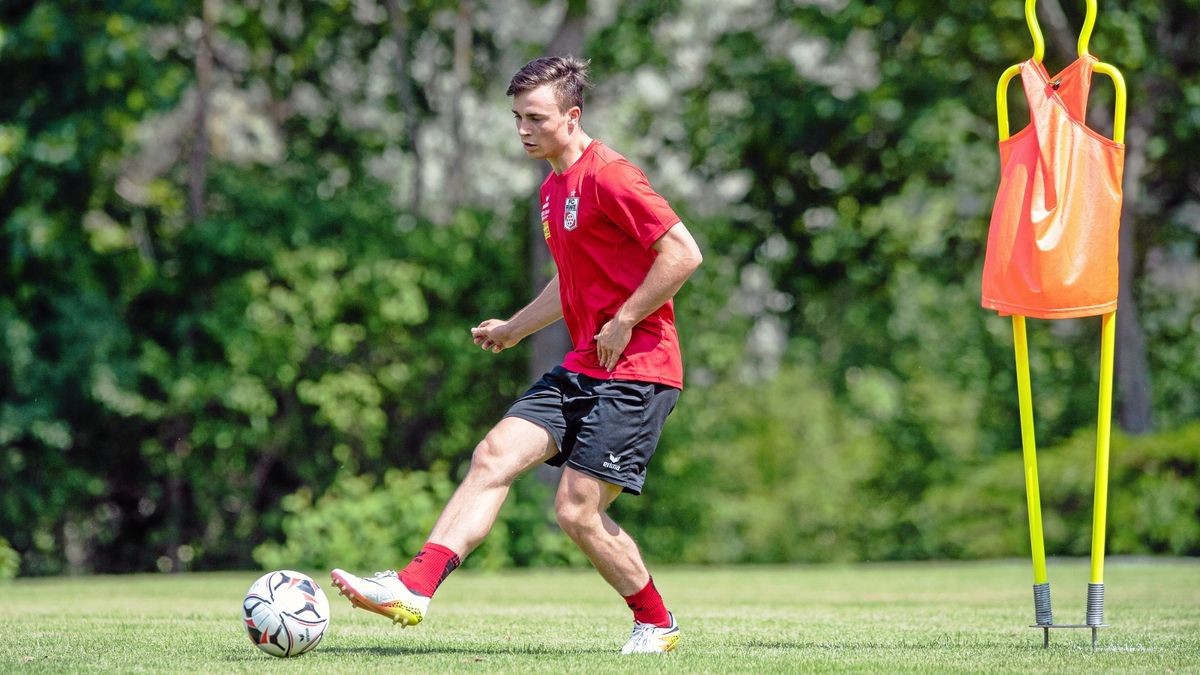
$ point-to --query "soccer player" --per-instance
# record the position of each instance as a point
(621, 255)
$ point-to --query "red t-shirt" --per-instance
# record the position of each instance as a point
(600, 218)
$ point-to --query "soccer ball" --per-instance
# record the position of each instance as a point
(285, 613)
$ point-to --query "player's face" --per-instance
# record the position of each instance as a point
(544, 129)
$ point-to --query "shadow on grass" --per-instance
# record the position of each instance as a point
(522, 650)
(897, 645)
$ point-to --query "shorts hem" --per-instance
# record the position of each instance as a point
(554, 434)
(625, 485)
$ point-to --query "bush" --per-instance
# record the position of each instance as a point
(780, 471)
(362, 524)
(1153, 500)
(771, 471)
(10, 561)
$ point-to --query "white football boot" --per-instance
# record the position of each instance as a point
(650, 639)
(383, 594)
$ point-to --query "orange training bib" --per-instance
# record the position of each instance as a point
(1052, 240)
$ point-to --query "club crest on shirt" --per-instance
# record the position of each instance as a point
(571, 213)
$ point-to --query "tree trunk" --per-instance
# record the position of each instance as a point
(407, 99)
(457, 178)
(1132, 363)
(1057, 32)
(198, 162)
(549, 345)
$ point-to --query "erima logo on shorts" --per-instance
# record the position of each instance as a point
(612, 463)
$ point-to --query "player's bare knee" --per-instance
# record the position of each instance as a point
(489, 464)
(571, 520)
(575, 516)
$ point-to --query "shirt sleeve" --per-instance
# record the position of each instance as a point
(625, 196)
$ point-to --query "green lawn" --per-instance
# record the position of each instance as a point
(873, 617)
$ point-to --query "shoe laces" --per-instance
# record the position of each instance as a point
(642, 635)
(642, 631)
(391, 581)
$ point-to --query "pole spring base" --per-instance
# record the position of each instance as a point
(1095, 605)
(1041, 604)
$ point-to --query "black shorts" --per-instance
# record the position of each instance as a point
(607, 429)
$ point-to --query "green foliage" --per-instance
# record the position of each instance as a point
(361, 525)
(357, 525)
(1153, 503)
(778, 472)
(10, 561)
(761, 472)
(79, 82)
(862, 233)
(167, 380)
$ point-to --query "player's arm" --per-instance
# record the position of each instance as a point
(678, 256)
(498, 334)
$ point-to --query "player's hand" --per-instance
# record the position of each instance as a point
(493, 335)
(611, 342)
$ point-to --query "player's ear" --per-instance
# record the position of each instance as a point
(574, 113)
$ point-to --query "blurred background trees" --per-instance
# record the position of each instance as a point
(242, 245)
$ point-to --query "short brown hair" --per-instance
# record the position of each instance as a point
(568, 74)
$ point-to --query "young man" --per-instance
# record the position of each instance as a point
(621, 254)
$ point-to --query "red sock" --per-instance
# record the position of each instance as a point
(429, 569)
(648, 607)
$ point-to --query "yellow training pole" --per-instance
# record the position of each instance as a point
(1108, 332)
(1089, 22)
(1103, 431)
(1002, 99)
(1041, 586)
(1035, 31)
(1029, 453)
(1033, 501)
(1095, 610)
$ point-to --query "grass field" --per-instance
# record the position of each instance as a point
(959, 617)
